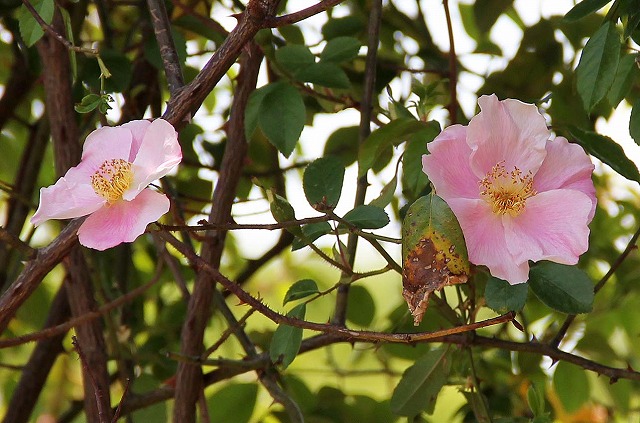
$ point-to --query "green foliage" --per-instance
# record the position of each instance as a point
(301, 289)
(418, 389)
(286, 340)
(367, 217)
(567, 289)
(234, 402)
(571, 385)
(322, 183)
(584, 8)
(503, 297)
(598, 64)
(30, 29)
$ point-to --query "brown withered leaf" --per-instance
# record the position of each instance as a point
(434, 253)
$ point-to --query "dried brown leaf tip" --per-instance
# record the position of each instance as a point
(428, 268)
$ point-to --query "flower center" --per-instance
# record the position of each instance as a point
(112, 179)
(507, 192)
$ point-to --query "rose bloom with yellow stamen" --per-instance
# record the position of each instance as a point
(518, 194)
(110, 183)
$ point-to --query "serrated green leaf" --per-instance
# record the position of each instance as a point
(503, 297)
(252, 111)
(340, 49)
(88, 103)
(362, 308)
(30, 29)
(414, 180)
(326, 74)
(301, 289)
(386, 194)
(572, 386)
(383, 138)
(322, 183)
(311, 232)
(584, 8)
(625, 74)
(598, 63)
(634, 122)
(607, 150)
(566, 289)
(286, 340)
(282, 117)
(420, 384)
(367, 217)
(294, 58)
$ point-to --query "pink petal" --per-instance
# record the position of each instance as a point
(159, 153)
(552, 227)
(104, 144)
(509, 131)
(566, 166)
(448, 165)
(138, 128)
(65, 200)
(123, 221)
(484, 235)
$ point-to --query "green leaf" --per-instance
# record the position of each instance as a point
(301, 289)
(311, 232)
(322, 183)
(634, 122)
(571, 385)
(566, 289)
(30, 29)
(286, 340)
(233, 403)
(414, 180)
(503, 297)
(382, 138)
(282, 116)
(535, 400)
(607, 150)
(387, 194)
(367, 217)
(340, 49)
(252, 111)
(625, 75)
(294, 58)
(584, 8)
(326, 74)
(282, 211)
(362, 308)
(343, 143)
(420, 384)
(597, 67)
(69, 33)
(88, 103)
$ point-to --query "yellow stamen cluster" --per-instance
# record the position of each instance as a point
(112, 179)
(507, 192)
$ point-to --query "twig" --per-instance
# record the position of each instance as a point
(240, 226)
(79, 320)
(631, 246)
(118, 412)
(168, 52)
(51, 31)
(15, 242)
(453, 72)
(89, 371)
(301, 15)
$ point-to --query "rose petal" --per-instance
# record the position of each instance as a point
(484, 235)
(509, 131)
(104, 144)
(138, 128)
(123, 221)
(66, 200)
(159, 153)
(448, 165)
(566, 166)
(552, 227)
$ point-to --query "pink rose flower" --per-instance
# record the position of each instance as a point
(517, 194)
(110, 183)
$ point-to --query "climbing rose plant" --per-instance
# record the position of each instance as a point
(110, 183)
(518, 193)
